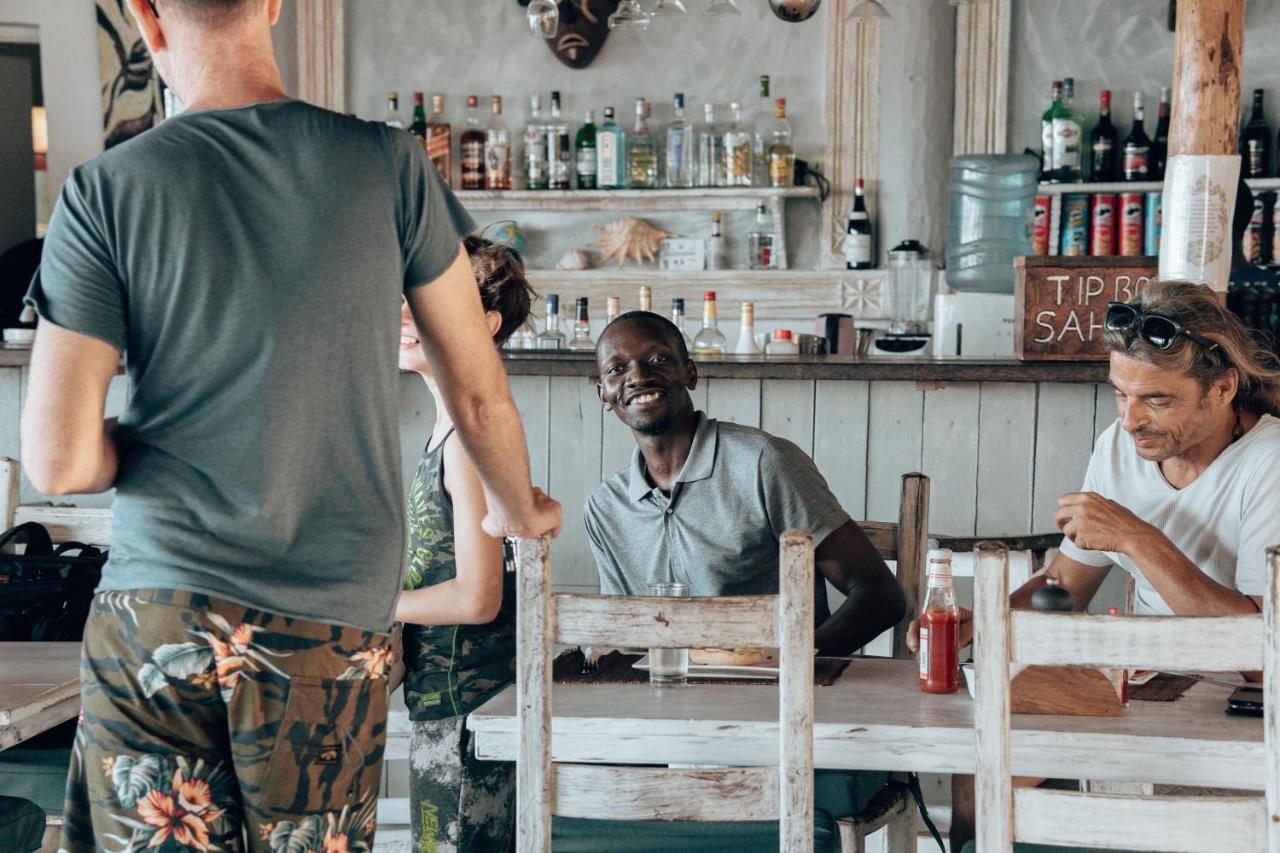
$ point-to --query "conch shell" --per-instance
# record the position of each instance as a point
(629, 238)
(573, 259)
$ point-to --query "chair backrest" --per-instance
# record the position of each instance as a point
(784, 792)
(1007, 640)
(906, 542)
(90, 525)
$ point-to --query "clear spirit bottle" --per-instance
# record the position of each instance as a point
(581, 328)
(677, 317)
(737, 151)
(762, 241)
(709, 340)
(558, 150)
(782, 157)
(551, 337)
(642, 154)
(717, 251)
(535, 147)
(611, 154)
(710, 149)
(680, 147)
(497, 150)
(393, 111)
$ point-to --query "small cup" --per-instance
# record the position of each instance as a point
(669, 667)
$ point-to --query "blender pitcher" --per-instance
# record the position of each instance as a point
(910, 288)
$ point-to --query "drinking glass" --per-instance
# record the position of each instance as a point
(669, 667)
(668, 9)
(544, 18)
(723, 7)
(629, 16)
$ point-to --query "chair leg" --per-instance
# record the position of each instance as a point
(900, 833)
(852, 838)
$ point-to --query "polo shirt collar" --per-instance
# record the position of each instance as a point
(698, 466)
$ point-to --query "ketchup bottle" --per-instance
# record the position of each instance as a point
(940, 629)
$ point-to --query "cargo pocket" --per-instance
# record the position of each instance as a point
(328, 750)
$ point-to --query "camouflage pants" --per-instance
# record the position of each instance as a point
(207, 725)
(458, 804)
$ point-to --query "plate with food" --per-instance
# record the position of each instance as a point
(727, 663)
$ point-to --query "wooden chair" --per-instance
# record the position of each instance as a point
(1007, 640)
(906, 542)
(544, 788)
(90, 525)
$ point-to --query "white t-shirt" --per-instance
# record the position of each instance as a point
(1223, 521)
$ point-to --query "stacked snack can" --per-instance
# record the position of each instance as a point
(1075, 225)
(1154, 215)
(1102, 224)
(1040, 214)
(1132, 224)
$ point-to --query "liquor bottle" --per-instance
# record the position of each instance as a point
(940, 629)
(762, 241)
(857, 240)
(780, 343)
(1255, 142)
(581, 328)
(1046, 132)
(1068, 136)
(471, 147)
(558, 152)
(1160, 144)
(677, 317)
(440, 140)
(551, 337)
(419, 125)
(611, 154)
(497, 150)
(709, 340)
(717, 251)
(737, 150)
(1137, 147)
(585, 146)
(710, 149)
(782, 157)
(747, 331)
(760, 138)
(393, 111)
(646, 298)
(642, 154)
(613, 307)
(535, 147)
(679, 148)
(1104, 142)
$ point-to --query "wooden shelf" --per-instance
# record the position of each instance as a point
(706, 198)
(1255, 184)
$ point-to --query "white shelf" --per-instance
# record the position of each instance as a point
(707, 198)
(1255, 184)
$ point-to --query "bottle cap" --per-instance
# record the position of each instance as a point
(1113, 611)
(417, 97)
(782, 107)
(590, 117)
(940, 561)
(496, 102)
(580, 301)
(679, 100)
(553, 301)
(555, 97)
(437, 103)
(393, 95)
(608, 112)
(709, 296)
(858, 184)
(715, 216)
(473, 101)
(780, 334)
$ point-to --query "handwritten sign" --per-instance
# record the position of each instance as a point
(1059, 303)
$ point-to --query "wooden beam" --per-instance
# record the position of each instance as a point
(1207, 59)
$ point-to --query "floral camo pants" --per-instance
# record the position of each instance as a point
(207, 725)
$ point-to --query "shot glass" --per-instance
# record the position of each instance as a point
(669, 667)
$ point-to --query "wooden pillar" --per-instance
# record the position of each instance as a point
(1207, 58)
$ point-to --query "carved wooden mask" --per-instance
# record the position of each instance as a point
(584, 25)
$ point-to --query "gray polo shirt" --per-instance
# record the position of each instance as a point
(739, 491)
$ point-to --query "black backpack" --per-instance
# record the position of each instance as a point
(45, 593)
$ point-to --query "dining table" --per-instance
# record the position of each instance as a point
(39, 688)
(875, 717)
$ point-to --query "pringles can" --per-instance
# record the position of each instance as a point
(1154, 216)
(1040, 226)
(1102, 224)
(1075, 225)
(1132, 223)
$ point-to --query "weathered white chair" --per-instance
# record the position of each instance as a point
(544, 788)
(1007, 640)
(90, 525)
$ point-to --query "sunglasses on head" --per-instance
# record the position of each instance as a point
(1159, 331)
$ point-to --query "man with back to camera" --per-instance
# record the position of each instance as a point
(704, 503)
(1182, 490)
(249, 256)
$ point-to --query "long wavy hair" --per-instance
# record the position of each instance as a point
(1198, 309)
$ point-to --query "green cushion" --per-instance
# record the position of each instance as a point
(1045, 848)
(21, 825)
(836, 794)
(36, 769)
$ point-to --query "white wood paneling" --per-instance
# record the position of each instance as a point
(734, 400)
(417, 420)
(532, 395)
(840, 440)
(1006, 440)
(1064, 417)
(644, 793)
(573, 461)
(1104, 408)
(950, 457)
(894, 436)
(10, 408)
(786, 410)
(666, 623)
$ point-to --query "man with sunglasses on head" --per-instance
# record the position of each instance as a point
(1183, 490)
(249, 257)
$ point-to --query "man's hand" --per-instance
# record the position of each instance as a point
(544, 515)
(1095, 523)
(966, 631)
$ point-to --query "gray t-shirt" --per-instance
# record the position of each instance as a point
(250, 264)
(739, 491)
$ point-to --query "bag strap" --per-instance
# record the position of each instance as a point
(85, 551)
(31, 532)
(913, 784)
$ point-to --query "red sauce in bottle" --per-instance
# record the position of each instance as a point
(939, 651)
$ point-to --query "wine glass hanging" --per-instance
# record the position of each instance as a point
(544, 18)
(630, 16)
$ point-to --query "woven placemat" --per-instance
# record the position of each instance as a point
(1163, 688)
(617, 668)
